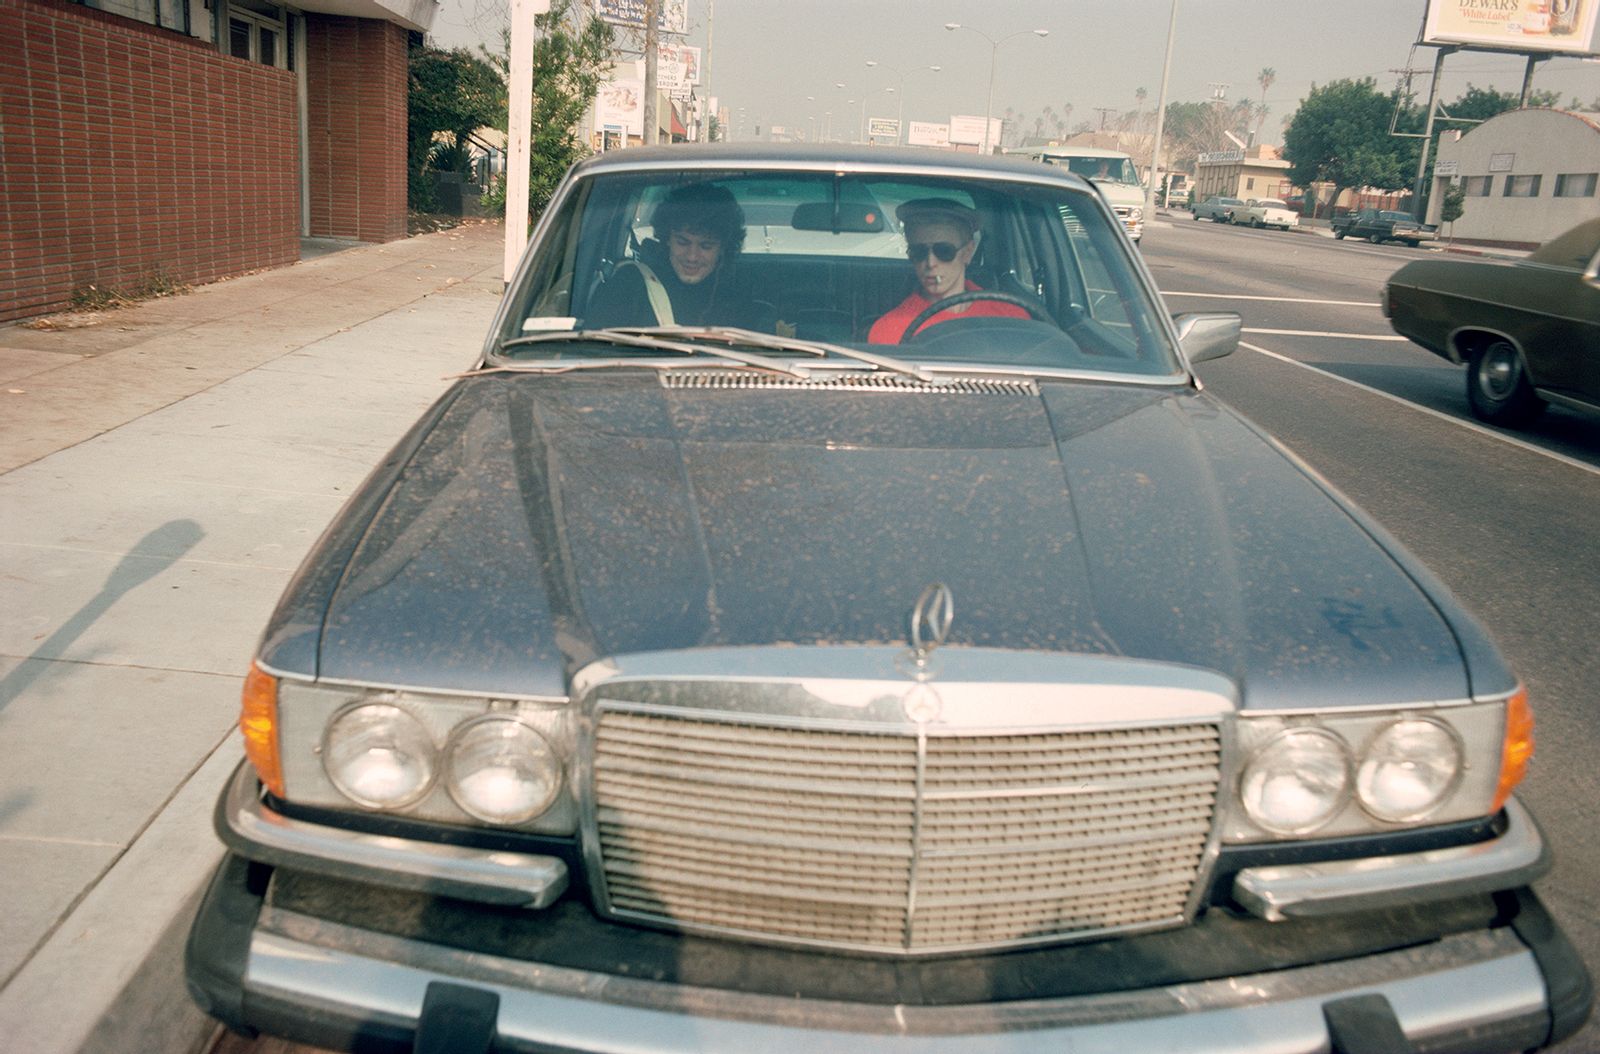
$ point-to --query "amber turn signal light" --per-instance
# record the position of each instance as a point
(1518, 747)
(258, 720)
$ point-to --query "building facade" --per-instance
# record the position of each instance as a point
(1255, 173)
(1528, 176)
(151, 143)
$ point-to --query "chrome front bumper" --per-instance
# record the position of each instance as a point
(1514, 859)
(1470, 992)
(258, 964)
(251, 828)
(255, 831)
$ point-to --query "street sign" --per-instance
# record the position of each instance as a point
(883, 128)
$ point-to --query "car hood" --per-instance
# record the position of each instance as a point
(545, 522)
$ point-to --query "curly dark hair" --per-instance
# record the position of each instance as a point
(704, 208)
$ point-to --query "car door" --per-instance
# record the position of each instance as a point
(1561, 346)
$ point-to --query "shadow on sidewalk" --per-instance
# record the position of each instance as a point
(150, 556)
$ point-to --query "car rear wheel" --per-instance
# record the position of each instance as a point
(1338, 236)
(1498, 389)
(1375, 239)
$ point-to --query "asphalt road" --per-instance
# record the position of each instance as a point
(1509, 520)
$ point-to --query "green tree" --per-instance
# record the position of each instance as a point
(1340, 135)
(571, 59)
(1452, 204)
(451, 94)
(1480, 104)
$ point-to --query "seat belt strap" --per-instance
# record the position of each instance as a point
(660, 302)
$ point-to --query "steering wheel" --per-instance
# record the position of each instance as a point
(1032, 307)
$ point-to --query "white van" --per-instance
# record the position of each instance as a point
(1111, 170)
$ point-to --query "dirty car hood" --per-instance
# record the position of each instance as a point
(544, 523)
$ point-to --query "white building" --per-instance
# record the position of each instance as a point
(1528, 174)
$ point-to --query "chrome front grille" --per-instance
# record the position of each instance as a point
(884, 841)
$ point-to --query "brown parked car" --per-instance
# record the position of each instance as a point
(1527, 330)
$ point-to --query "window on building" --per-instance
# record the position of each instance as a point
(1476, 186)
(256, 31)
(1250, 183)
(1576, 184)
(168, 14)
(1522, 187)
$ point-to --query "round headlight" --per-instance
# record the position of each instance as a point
(1409, 769)
(1297, 781)
(501, 771)
(378, 755)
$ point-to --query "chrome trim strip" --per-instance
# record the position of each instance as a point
(1570, 402)
(381, 686)
(1445, 993)
(253, 830)
(1514, 859)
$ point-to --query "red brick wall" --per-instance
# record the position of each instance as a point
(130, 153)
(356, 81)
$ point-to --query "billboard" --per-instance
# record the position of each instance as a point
(883, 128)
(1512, 25)
(684, 62)
(672, 16)
(927, 133)
(969, 130)
(620, 105)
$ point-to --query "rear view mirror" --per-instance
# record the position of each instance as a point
(1205, 335)
(840, 218)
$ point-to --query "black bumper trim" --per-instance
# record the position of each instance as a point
(1566, 979)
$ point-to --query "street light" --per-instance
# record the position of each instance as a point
(994, 54)
(862, 134)
(900, 113)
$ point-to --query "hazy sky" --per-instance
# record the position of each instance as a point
(768, 56)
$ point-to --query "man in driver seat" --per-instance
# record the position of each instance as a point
(941, 236)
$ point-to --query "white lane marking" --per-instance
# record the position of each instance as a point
(1322, 333)
(1278, 299)
(1523, 444)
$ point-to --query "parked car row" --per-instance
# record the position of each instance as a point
(1254, 212)
(718, 666)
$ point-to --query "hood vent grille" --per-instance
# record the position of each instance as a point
(850, 382)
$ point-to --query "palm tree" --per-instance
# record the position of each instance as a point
(1265, 78)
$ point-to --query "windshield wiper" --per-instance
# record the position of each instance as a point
(736, 335)
(654, 339)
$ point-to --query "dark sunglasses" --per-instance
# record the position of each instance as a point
(945, 251)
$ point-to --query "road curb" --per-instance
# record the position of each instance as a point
(111, 975)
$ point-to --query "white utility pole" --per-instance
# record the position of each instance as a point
(1161, 120)
(519, 135)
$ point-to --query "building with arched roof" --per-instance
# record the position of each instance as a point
(1528, 175)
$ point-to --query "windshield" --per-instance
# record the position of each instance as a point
(1272, 203)
(820, 263)
(1401, 217)
(1101, 169)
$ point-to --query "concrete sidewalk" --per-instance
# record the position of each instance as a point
(162, 472)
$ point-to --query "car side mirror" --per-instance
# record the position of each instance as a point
(1206, 335)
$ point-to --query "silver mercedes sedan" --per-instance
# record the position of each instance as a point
(830, 615)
